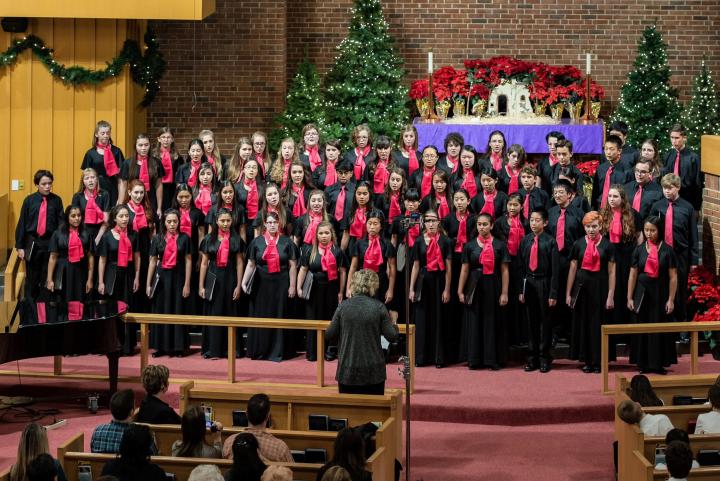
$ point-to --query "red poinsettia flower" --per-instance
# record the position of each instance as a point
(589, 167)
(712, 314)
(479, 91)
(460, 84)
(441, 92)
(444, 76)
(700, 275)
(557, 94)
(419, 89)
(706, 295)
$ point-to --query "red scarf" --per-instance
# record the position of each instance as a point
(413, 163)
(487, 256)
(513, 174)
(93, 213)
(286, 169)
(433, 256)
(489, 206)
(516, 234)
(616, 229)
(357, 228)
(340, 204)
(496, 160)
(637, 199)
(381, 177)
(468, 182)
(223, 253)
(443, 209)
(373, 255)
(591, 258)
(315, 220)
(194, 170)
(75, 248)
(328, 262)
(462, 231)
(260, 158)
(455, 162)
(144, 175)
(169, 259)
(426, 185)
(412, 233)
(111, 167)
(330, 173)
(652, 264)
(203, 201)
(359, 167)
(75, 310)
(185, 222)
(140, 221)
(314, 155)
(125, 252)
(299, 208)
(166, 160)
(394, 210)
(251, 204)
(271, 255)
(553, 160)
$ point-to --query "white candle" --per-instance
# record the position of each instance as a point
(430, 62)
(587, 63)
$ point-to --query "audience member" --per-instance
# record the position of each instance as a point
(350, 454)
(336, 473)
(153, 410)
(107, 437)
(33, 443)
(709, 423)
(133, 462)
(676, 435)
(277, 473)
(193, 443)
(650, 424)
(642, 392)
(42, 468)
(679, 459)
(206, 472)
(258, 414)
(247, 465)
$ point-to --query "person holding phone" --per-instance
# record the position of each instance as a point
(194, 443)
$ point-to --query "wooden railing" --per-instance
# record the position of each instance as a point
(14, 276)
(694, 328)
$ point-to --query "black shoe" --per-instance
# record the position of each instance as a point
(311, 358)
(544, 367)
(158, 353)
(330, 355)
(531, 366)
(439, 366)
(474, 367)
(587, 368)
(495, 367)
(596, 370)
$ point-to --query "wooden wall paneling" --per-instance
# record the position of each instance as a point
(65, 163)
(5, 141)
(106, 93)
(41, 125)
(84, 97)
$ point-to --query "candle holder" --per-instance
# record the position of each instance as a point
(430, 117)
(588, 118)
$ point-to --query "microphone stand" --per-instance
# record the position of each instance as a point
(407, 223)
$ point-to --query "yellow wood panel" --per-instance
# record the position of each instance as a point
(65, 163)
(5, 135)
(710, 148)
(106, 94)
(41, 126)
(140, 9)
(84, 97)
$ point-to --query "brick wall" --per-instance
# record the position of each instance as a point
(711, 222)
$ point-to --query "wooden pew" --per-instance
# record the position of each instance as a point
(291, 407)
(697, 442)
(668, 386)
(644, 470)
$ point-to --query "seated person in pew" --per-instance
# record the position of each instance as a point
(277, 473)
(133, 462)
(676, 435)
(679, 460)
(336, 473)
(33, 443)
(42, 468)
(650, 424)
(709, 423)
(153, 410)
(206, 472)
(350, 454)
(258, 414)
(641, 391)
(193, 443)
(107, 437)
(247, 465)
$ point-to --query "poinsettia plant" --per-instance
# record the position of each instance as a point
(441, 92)
(557, 94)
(460, 85)
(479, 92)
(589, 167)
(419, 89)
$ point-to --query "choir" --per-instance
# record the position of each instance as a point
(489, 249)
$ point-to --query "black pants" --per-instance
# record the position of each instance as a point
(378, 388)
(539, 320)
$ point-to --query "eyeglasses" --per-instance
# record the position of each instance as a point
(638, 171)
(430, 221)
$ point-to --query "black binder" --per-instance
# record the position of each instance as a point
(638, 297)
(210, 279)
(470, 288)
(577, 287)
(251, 281)
(155, 282)
(307, 285)
(401, 257)
(419, 283)
(110, 276)
(29, 249)
(58, 275)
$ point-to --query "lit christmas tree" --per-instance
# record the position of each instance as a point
(648, 103)
(702, 115)
(365, 85)
(304, 105)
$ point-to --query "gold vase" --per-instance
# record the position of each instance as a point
(422, 106)
(479, 107)
(595, 108)
(575, 109)
(556, 111)
(442, 109)
(459, 107)
(539, 108)
(588, 190)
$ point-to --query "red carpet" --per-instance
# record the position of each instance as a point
(480, 425)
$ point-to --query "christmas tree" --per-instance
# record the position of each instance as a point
(702, 115)
(648, 103)
(304, 105)
(365, 85)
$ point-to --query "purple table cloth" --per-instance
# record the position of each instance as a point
(586, 139)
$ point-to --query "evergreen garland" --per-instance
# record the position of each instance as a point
(147, 69)
(365, 84)
(648, 103)
(702, 115)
